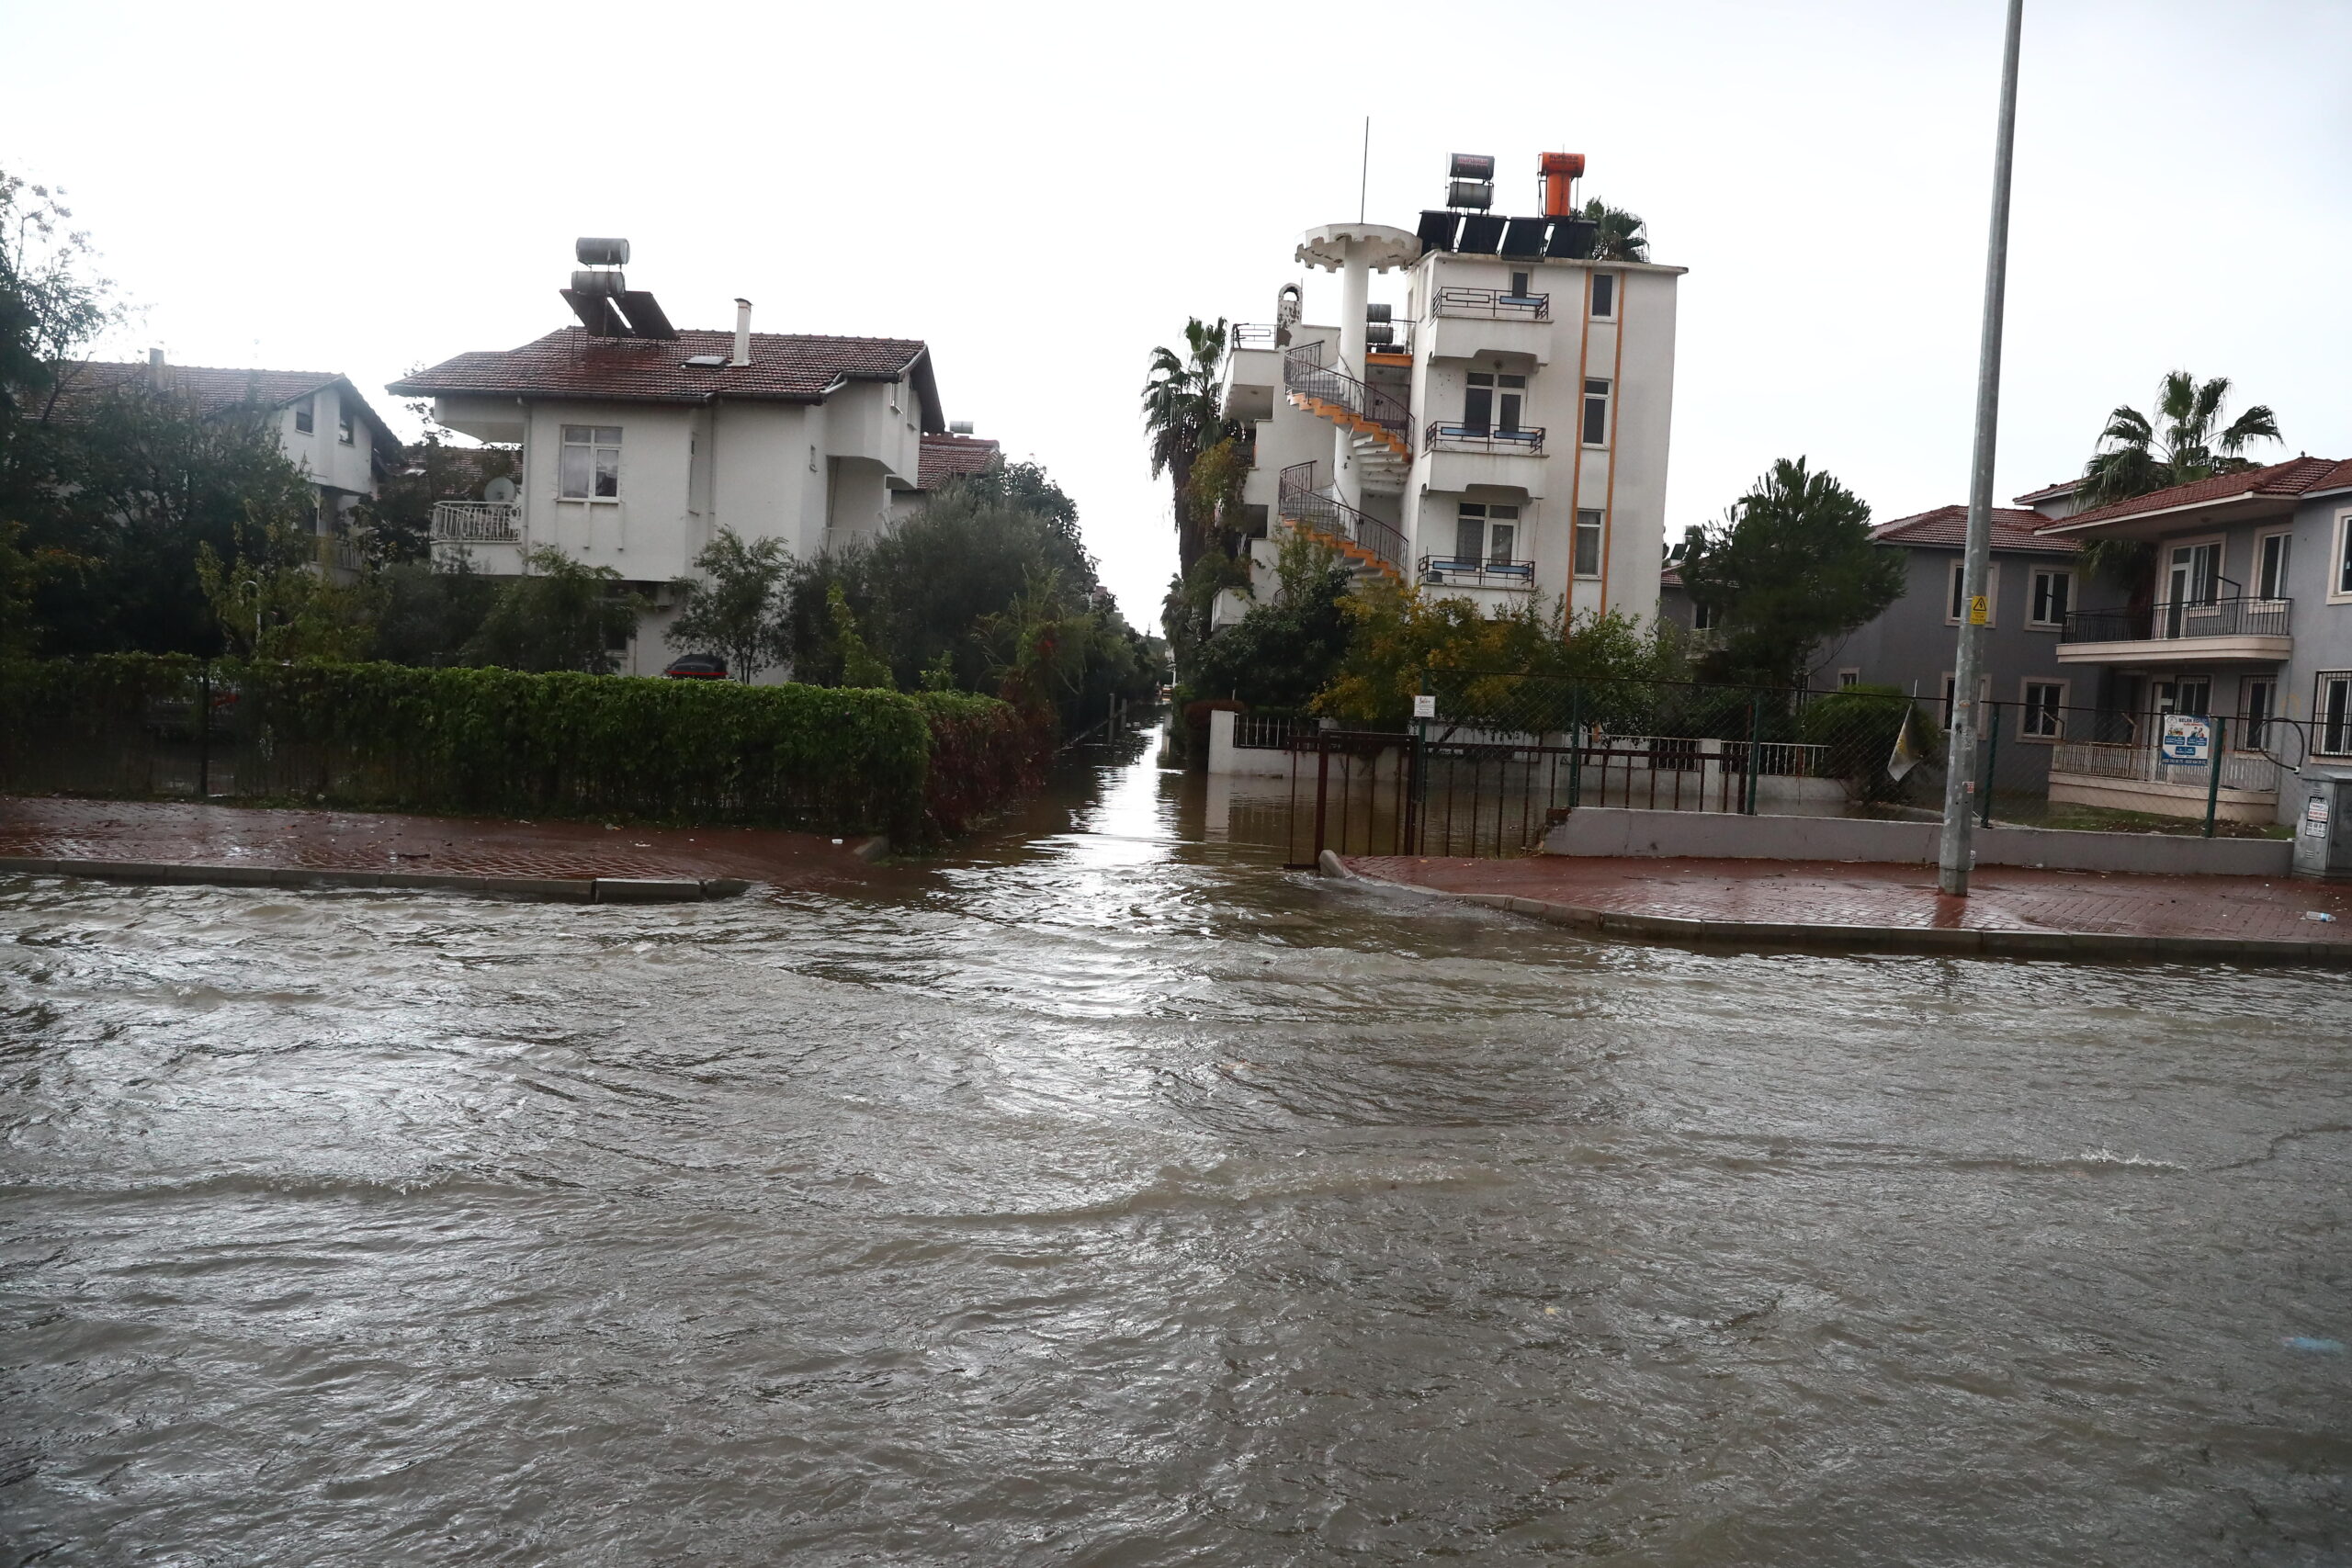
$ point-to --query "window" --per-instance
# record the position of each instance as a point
(1984, 692)
(2339, 588)
(1596, 413)
(1483, 535)
(2258, 701)
(1702, 616)
(2191, 693)
(1519, 286)
(1848, 678)
(2192, 586)
(1604, 294)
(306, 415)
(1956, 598)
(590, 468)
(2042, 715)
(1491, 403)
(2053, 595)
(2332, 714)
(343, 427)
(2270, 553)
(1589, 531)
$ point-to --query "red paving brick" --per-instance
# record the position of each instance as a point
(187, 833)
(1843, 893)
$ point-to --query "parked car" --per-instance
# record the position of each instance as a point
(697, 667)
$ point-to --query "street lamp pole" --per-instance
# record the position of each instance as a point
(1955, 851)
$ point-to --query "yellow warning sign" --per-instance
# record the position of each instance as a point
(1976, 616)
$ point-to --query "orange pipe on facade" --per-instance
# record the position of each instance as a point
(1560, 170)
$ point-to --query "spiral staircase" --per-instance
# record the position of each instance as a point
(1369, 545)
(1377, 424)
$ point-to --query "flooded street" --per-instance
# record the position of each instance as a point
(1106, 1194)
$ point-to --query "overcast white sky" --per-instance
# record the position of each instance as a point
(1044, 192)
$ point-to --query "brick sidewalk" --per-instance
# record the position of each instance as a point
(1815, 902)
(187, 833)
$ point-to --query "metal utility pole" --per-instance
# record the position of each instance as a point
(1956, 848)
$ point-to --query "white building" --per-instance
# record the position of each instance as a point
(640, 442)
(1495, 429)
(322, 423)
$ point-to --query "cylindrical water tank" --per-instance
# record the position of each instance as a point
(1476, 194)
(598, 283)
(601, 252)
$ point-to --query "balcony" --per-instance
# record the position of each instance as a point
(1463, 323)
(2135, 776)
(1492, 305)
(2237, 630)
(476, 522)
(1526, 441)
(1463, 457)
(1468, 571)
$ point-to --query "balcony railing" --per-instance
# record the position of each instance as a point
(1468, 571)
(2167, 619)
(1303, 502)
(1306, 371)
(1250, 334)
(1525, 441)
(1493, 304)
(2129, 763)
(476, 522)
(340, 552)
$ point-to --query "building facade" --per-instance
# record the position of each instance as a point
(640, 442)
(1496, 430)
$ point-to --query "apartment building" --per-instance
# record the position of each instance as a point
(2240, 610)
(1496, 429)
(640, 441)
(323, 424)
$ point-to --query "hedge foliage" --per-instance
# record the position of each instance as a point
(502, 743)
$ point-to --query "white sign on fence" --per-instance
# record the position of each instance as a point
(1424, 706)
(2187, 738)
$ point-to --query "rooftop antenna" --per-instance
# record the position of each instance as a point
(1363, 188)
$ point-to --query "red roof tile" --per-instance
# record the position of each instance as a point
(2047, 493)
(2297, 476)
(1947, 528)
(213, 388)
(945, 456)
(569, 363)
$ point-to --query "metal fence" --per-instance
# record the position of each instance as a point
(1501, 758)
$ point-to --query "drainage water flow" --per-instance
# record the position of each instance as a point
(1108, 1194)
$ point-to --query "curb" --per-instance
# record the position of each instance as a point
(1942, 942)
(557, 889)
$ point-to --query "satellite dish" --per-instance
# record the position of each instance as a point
(500, 489)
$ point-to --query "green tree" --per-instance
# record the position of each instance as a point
(272, 602)
(1622, 236)
(2136, 454)
(396, 524)
(559, 615)
(858, 664)
(1791, 566)
(426, 612)
(52, 305)
(1284, 652)
(1181, 421)
(736, 608)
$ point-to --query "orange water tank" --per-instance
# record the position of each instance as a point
(1559, 170)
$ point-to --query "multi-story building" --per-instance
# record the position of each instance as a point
(323, 424)
(2240, 610)
(641, 441)
(1499, 429)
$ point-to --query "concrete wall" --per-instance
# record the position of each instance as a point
(1713, 835)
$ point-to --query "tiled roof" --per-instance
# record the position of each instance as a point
(2297, 476)
(1947, 528)
(945, 456)
(214, 389)
(2047, 493)
(569, 363)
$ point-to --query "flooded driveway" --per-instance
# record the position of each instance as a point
(1109, 1195)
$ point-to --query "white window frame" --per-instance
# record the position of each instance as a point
(345, 432)
(1850, 676)
(2033, 595)
(1954, 593)
(2286, 538)
(2025, 710)
(1952, 691)
(1607, 398)
(306, 415)
(1598, 523)
(1483, 512)
(2339, 570)
(2320, 725)
(2221, 571)
(1592, 291)
(593, 444)
(1702, 616)
(2251, 729)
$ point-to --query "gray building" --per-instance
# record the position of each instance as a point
(2240, 609)
(1910, 645)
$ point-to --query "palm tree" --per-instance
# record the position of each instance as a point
(1180, 416)
(2134, 458)
(1622, 236)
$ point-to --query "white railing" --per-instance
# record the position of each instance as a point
(476, 522)
(1266, 734)
(2252, 770)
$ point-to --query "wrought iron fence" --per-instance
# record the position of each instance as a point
(1309, 371)
(1499, 304)
(1300, 502)
(1521, 441)
(2168, 619)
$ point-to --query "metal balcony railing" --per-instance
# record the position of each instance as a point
(1526, 440)
(1302, 502)
(2129, 763)
(1469, 571)
(1250, 334)
(1494, 304)
(2167, 619)
(1305, 371)
(476, 522)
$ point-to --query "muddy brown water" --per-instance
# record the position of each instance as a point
(1109, 1195)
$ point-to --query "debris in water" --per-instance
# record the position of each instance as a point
(2318, 1346)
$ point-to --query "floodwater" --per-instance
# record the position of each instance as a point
(1111, 1196)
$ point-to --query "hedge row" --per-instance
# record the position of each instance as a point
(501, 742)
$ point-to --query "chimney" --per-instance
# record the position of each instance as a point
(743, 334)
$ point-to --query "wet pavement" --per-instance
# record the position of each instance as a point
(1861, 894)
(1104, 1194)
